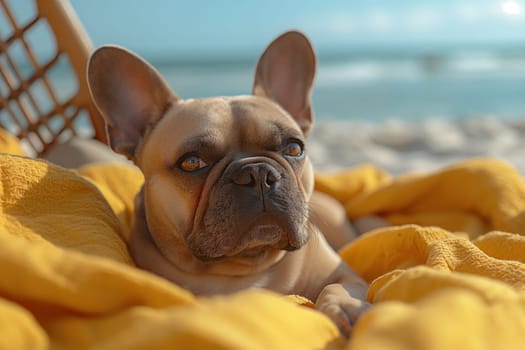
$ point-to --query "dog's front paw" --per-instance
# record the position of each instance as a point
(342, 308)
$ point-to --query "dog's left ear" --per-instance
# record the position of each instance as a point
(285, 74)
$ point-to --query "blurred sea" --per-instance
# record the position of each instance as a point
(379, 86)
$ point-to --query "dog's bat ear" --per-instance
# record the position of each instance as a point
(130, 94)
(285, 74)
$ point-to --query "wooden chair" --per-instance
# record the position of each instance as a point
(44, 98)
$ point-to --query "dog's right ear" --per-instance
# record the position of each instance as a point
(130, 94)
(285, 73)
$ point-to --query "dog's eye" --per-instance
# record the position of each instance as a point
(293, 149)
(192, 163)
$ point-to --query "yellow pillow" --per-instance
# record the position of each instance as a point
(10, 144)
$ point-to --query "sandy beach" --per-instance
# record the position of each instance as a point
(400, 146)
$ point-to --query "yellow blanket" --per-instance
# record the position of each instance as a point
(68, 281)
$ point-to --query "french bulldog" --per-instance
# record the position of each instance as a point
(225, 202)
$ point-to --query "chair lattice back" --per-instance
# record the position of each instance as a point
(44, 97)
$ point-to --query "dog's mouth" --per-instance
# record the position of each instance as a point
(251, 256)
(259, 243)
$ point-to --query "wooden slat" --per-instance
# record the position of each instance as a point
(72, 45)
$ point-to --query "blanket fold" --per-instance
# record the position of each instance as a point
(455, 280)
(474, 196)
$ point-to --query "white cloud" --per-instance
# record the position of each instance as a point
(511, 8)
(473, 12)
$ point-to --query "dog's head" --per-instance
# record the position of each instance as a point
(225, 177)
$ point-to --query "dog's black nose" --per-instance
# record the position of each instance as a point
(262, 177)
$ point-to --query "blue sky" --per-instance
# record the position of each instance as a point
(192, 28)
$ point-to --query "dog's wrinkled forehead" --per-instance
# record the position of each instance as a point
(224, 123)
(259, 117)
